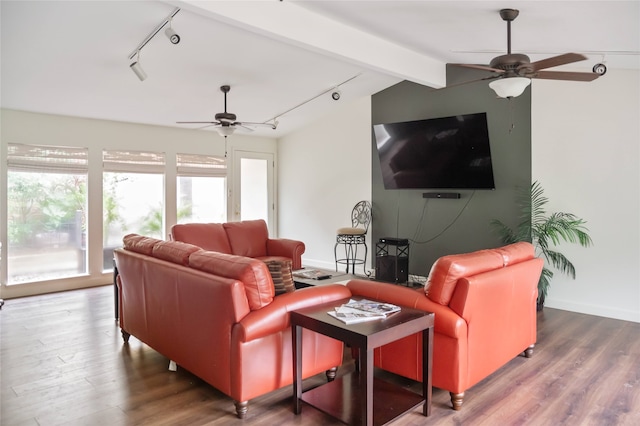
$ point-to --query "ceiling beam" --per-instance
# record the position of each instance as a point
(292, 24)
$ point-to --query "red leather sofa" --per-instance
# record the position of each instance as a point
(248, 238)
(216, 315)
(485, 315)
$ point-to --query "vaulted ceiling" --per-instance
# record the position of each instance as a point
(282, 59)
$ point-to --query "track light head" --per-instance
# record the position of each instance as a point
(137, 69)
(172, 35)
(600, 69)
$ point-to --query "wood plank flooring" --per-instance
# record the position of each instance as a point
(63, 362)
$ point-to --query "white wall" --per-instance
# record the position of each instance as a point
(324, 170)
(45, 129)
(586, 155)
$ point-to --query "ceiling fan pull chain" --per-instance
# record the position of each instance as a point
(511, 114)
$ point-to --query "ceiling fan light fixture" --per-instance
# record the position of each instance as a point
(225, 130)
(510, 87)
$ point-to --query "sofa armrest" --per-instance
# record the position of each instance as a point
(274, 317)
(446, 322)
(284, 247)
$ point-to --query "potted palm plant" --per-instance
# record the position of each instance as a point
(544, 231)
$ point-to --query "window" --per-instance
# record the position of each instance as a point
(201, 191)
(46, 212)
(132, 197)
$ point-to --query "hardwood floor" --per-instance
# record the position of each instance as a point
(63, 362)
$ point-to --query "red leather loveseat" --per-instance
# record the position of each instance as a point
(248, 238)
(216, 315)
(485, 315)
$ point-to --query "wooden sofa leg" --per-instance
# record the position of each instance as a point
(529, 351)
(125, 336)
(456, 400)
(331, 374)
(241, 408)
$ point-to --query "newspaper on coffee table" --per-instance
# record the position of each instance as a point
(363, 310)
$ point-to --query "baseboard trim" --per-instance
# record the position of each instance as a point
(597, 310)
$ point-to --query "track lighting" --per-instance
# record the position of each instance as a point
(600, 68)
(137, 68)
(335, 95)
(172, 35)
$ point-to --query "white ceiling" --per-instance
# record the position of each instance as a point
(72, 57)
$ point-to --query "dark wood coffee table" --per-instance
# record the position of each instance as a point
(358, 397)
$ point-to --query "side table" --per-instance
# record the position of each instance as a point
(359, 398)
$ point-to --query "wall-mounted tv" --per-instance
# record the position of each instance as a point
(438, 153)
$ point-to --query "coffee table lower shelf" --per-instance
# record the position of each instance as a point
(341, 399)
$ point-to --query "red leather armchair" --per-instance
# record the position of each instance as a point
(248, 238)
(485, 315)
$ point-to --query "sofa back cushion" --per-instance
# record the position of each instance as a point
(253, 273)
(208, 236)
(447, 270)
(139, 243)
(174, 251)
(248, 238)
(516, 253)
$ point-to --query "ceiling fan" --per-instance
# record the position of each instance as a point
(514, 71)
(225, 122)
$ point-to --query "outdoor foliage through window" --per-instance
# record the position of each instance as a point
(46, 225)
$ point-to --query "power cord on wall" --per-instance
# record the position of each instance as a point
(419, 227)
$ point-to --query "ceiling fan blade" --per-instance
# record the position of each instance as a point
(207, 126)
(555, 61)
(247, 123)
(197, 122)
(462, 83)
(240, 126)
(566, 75)
(479, 67)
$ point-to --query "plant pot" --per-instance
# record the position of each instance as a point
(540, 303)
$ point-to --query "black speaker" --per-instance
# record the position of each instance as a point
(392, 269)
(441, 195)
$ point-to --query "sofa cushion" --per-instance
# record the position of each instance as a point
(516, 253)
(280, 270)
(139, 243)
(208, 236)
(248, 238)
(253, 273)
(174, 251)
(447, 270)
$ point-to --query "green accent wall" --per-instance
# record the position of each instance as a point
(437, 227)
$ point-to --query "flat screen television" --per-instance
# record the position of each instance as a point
(438, 153)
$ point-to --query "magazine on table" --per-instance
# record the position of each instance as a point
(311, 274)
(363, 310)
(373, 307)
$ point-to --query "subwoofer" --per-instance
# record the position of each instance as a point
(392, 269)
